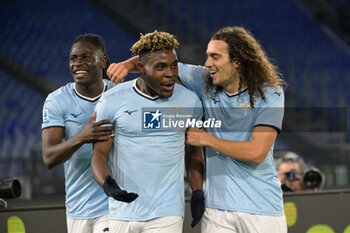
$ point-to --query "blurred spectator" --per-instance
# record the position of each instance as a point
(294, 174)
(290, 171)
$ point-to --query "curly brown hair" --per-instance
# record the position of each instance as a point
(255, 68)
(154, 41)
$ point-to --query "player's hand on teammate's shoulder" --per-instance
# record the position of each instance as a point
(117, 72)
(96, 131)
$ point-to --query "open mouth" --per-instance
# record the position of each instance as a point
(169, 86)
(80, 73)
(213, 72)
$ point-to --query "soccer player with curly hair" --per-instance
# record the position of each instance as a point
(145, 176)
(240, 86)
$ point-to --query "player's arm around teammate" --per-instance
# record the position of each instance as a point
(55, 151)
(253, 151)
(118, 71)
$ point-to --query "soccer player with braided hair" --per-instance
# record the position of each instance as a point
(69, 128)
(145, 176)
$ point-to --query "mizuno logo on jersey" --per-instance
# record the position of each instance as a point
(130, 112)
(76, 115)
(152, 119)
(215, 101)
(277, 93)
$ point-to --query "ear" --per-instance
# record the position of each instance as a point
(103, 62)
(235, 65)
(141, 67)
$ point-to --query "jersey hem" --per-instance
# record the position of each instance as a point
(269, 125)
(143, 219)
(281, 213)
(52, 126)
(83, 217)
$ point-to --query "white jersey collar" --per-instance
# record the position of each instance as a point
(143, 94)
(236, 93)
(89, 98)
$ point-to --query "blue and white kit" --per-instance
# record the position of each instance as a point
(231, 184)
(68, 109)
(147, 158)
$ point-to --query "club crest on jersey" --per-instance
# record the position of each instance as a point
(246, 107)
(45, 116)
(152, 119)
(176, 108)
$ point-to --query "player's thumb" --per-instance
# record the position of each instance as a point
(93, 117)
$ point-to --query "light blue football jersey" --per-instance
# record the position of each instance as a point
(232, 184)
(66, 108)
(147, 156)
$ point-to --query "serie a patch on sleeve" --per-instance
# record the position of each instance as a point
(46, 116)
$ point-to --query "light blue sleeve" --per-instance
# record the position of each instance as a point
(198, 113)
(193, 77)
(270, 112)
(53, 113)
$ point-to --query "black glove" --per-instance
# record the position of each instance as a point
(111, 189)
(197, 206)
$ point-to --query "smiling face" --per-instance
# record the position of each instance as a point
(159, 71)
(223, 71)
(86, 63)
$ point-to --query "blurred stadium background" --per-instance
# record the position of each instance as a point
(308, 39)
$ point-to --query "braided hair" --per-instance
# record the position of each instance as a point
(99, 43)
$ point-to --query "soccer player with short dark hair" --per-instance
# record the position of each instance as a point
(68, 130)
